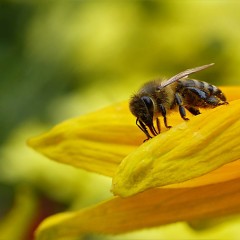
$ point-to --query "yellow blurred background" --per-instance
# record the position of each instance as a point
(61, 59)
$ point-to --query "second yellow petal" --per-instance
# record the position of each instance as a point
(187, 151)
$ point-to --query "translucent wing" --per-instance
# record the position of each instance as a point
(184, 74)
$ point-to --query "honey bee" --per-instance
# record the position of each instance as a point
(156, 98)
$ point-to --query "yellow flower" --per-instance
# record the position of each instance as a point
(189, 172)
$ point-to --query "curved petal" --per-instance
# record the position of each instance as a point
(196, 147)
(96, 142)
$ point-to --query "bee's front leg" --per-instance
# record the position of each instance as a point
(141, 125)
(158, 125)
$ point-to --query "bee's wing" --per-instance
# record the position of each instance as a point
(184, 74)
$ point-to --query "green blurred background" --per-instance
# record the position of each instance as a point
(60, 59)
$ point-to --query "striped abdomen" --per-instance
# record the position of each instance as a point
(200, 94)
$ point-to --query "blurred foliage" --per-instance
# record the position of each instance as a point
(63, 58)
(51, 48)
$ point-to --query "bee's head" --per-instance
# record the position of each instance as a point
(142, 107)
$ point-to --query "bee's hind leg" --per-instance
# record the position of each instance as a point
(179, 102)
(193, 110)
(214, 101)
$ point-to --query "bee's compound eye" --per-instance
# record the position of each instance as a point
(148, 102)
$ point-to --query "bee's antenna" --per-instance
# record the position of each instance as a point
(184, 74)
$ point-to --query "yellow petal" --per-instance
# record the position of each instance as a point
(232, 93)
(99, 141)
(148, 209)
(225, 173)
(96, 142)
(188, 150)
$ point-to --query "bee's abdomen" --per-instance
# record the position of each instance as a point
(200, 92)
(206, 87)
(211, 89)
